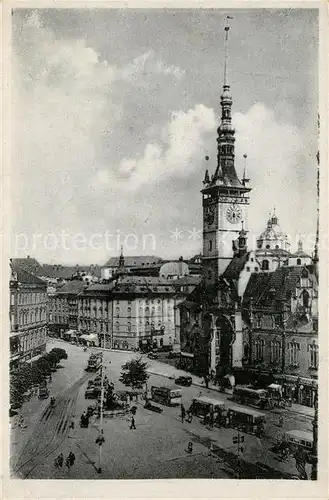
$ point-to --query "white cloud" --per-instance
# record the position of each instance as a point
(93, 141)
(178, 154)
(276, 155)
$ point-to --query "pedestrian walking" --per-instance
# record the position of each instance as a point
(132, 425)
(281, 421)
(189, 417)
(72, 425)
(59, 460)
(182, 413)
(72, 458)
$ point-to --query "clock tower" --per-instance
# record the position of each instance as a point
(225, 198)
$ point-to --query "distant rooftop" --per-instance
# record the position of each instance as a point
(132, 261)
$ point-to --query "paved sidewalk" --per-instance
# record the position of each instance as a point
(172, 373)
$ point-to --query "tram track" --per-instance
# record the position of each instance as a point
(48, 434)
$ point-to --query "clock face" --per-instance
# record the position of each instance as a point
(210, 215)
(234, 214)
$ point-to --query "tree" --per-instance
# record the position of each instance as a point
(134, 373)
(61, 353)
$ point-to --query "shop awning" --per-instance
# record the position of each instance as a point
(90, 337)
(72, 333)
(187, 354)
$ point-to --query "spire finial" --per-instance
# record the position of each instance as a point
(227, 28)
(316, 245)
(245, 167)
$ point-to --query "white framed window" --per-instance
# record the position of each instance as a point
(275, 350)
(314, 356)
(293, 352)
(260, 348)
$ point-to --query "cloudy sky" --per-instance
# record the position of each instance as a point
(114, 112)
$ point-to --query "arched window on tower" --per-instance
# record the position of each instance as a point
(265, 265)
(299, 262)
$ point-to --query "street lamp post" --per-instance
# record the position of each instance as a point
(100, 439)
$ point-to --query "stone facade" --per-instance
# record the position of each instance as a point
(28, 316)
(132, 312)
(281, 336)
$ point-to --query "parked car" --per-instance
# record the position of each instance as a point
(91, 392)
(43, 392)
(187, 381)
(152, 355)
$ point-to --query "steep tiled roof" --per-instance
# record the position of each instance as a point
(66, 272)
(269, 288)
(26, 278)
(235, 267)
(28, 264)
(71, 287)
(138, 260)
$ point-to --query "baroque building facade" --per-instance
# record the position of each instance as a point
(28, 316)
(280, 338)
(134, 312)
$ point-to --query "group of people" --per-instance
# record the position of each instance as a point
(69, 462)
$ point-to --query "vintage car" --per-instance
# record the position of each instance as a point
(184, 380)
(91, 392)
(152, 355)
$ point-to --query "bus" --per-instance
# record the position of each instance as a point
(253, 397)
(169, 396)
(202, 406)
(94, 362)
(300, 440)
(246, 419)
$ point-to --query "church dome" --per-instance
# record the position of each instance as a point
(273, 236)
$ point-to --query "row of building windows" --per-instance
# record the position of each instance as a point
(293, 352)
(27, 317)
(27, 342)
(28, 298)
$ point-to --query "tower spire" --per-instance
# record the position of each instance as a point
(316, 245)
(227, 29)
(225, 172)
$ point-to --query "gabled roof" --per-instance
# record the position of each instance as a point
(131, 261)
(235, 267)
(28, 264)
(26, 278)
(71, 288)
(266, 289)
